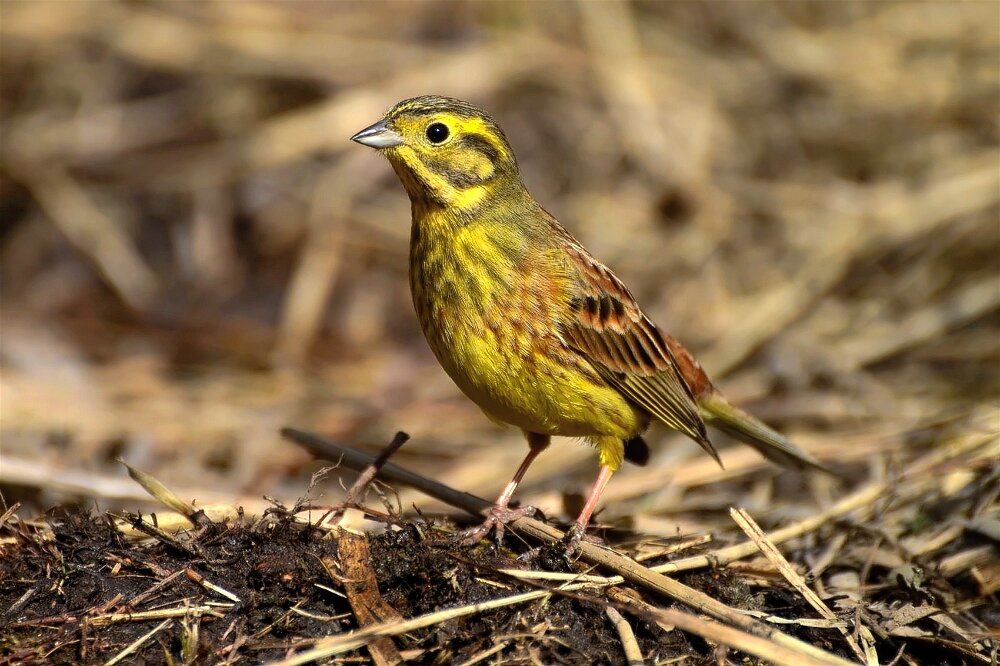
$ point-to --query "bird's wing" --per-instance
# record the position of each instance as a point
(606, 326)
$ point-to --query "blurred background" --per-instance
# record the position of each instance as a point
(194, 254)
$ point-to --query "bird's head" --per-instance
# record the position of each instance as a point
(444, 150)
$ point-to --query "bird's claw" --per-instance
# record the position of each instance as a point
(576, 535)
(496, 521)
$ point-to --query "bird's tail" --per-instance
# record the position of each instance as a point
(718, 412)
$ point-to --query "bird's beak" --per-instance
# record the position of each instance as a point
(378, 135)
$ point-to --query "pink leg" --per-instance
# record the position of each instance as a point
(499, 514)
(580, 526)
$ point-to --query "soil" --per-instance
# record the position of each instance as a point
(72, 592)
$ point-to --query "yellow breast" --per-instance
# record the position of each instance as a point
(489, 306)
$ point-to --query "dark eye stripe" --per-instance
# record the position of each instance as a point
(461, 179)
(465, 179)
(482, 144)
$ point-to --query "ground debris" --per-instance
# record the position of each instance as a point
(74, 589)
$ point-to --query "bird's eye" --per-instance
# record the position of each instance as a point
(437, 132)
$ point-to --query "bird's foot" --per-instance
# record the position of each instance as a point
(497, 520)
(576, 535)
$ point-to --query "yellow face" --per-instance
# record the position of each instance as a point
(444, 150)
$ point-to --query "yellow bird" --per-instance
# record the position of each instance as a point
(527, 323)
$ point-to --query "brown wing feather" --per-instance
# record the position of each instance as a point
(627, 349)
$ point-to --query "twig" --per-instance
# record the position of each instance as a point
(197, 578)
(354, 459)
(486, 654)
(8, 513)
(21, 602)
(361, 587)
(142, 616)
(142, 596)
(357, 490)
(633, 655)
(799, 621)
(689, 542)
(137, 643)
(165, 537)
(558, 575)
(771, 552)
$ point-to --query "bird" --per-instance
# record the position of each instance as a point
(529, 325)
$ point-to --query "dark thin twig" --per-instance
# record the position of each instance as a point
(357, 490)
(322, 447)
(136, 521)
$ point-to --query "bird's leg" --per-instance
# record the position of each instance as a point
(500, 514)
(579, 528)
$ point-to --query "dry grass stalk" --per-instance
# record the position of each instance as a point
(760, 646)
(145, 616)
(354, 640)
(196, 577)
(132, 647)
(771, 552)
(633, 655)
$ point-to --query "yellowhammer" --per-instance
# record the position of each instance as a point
(530, 326)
